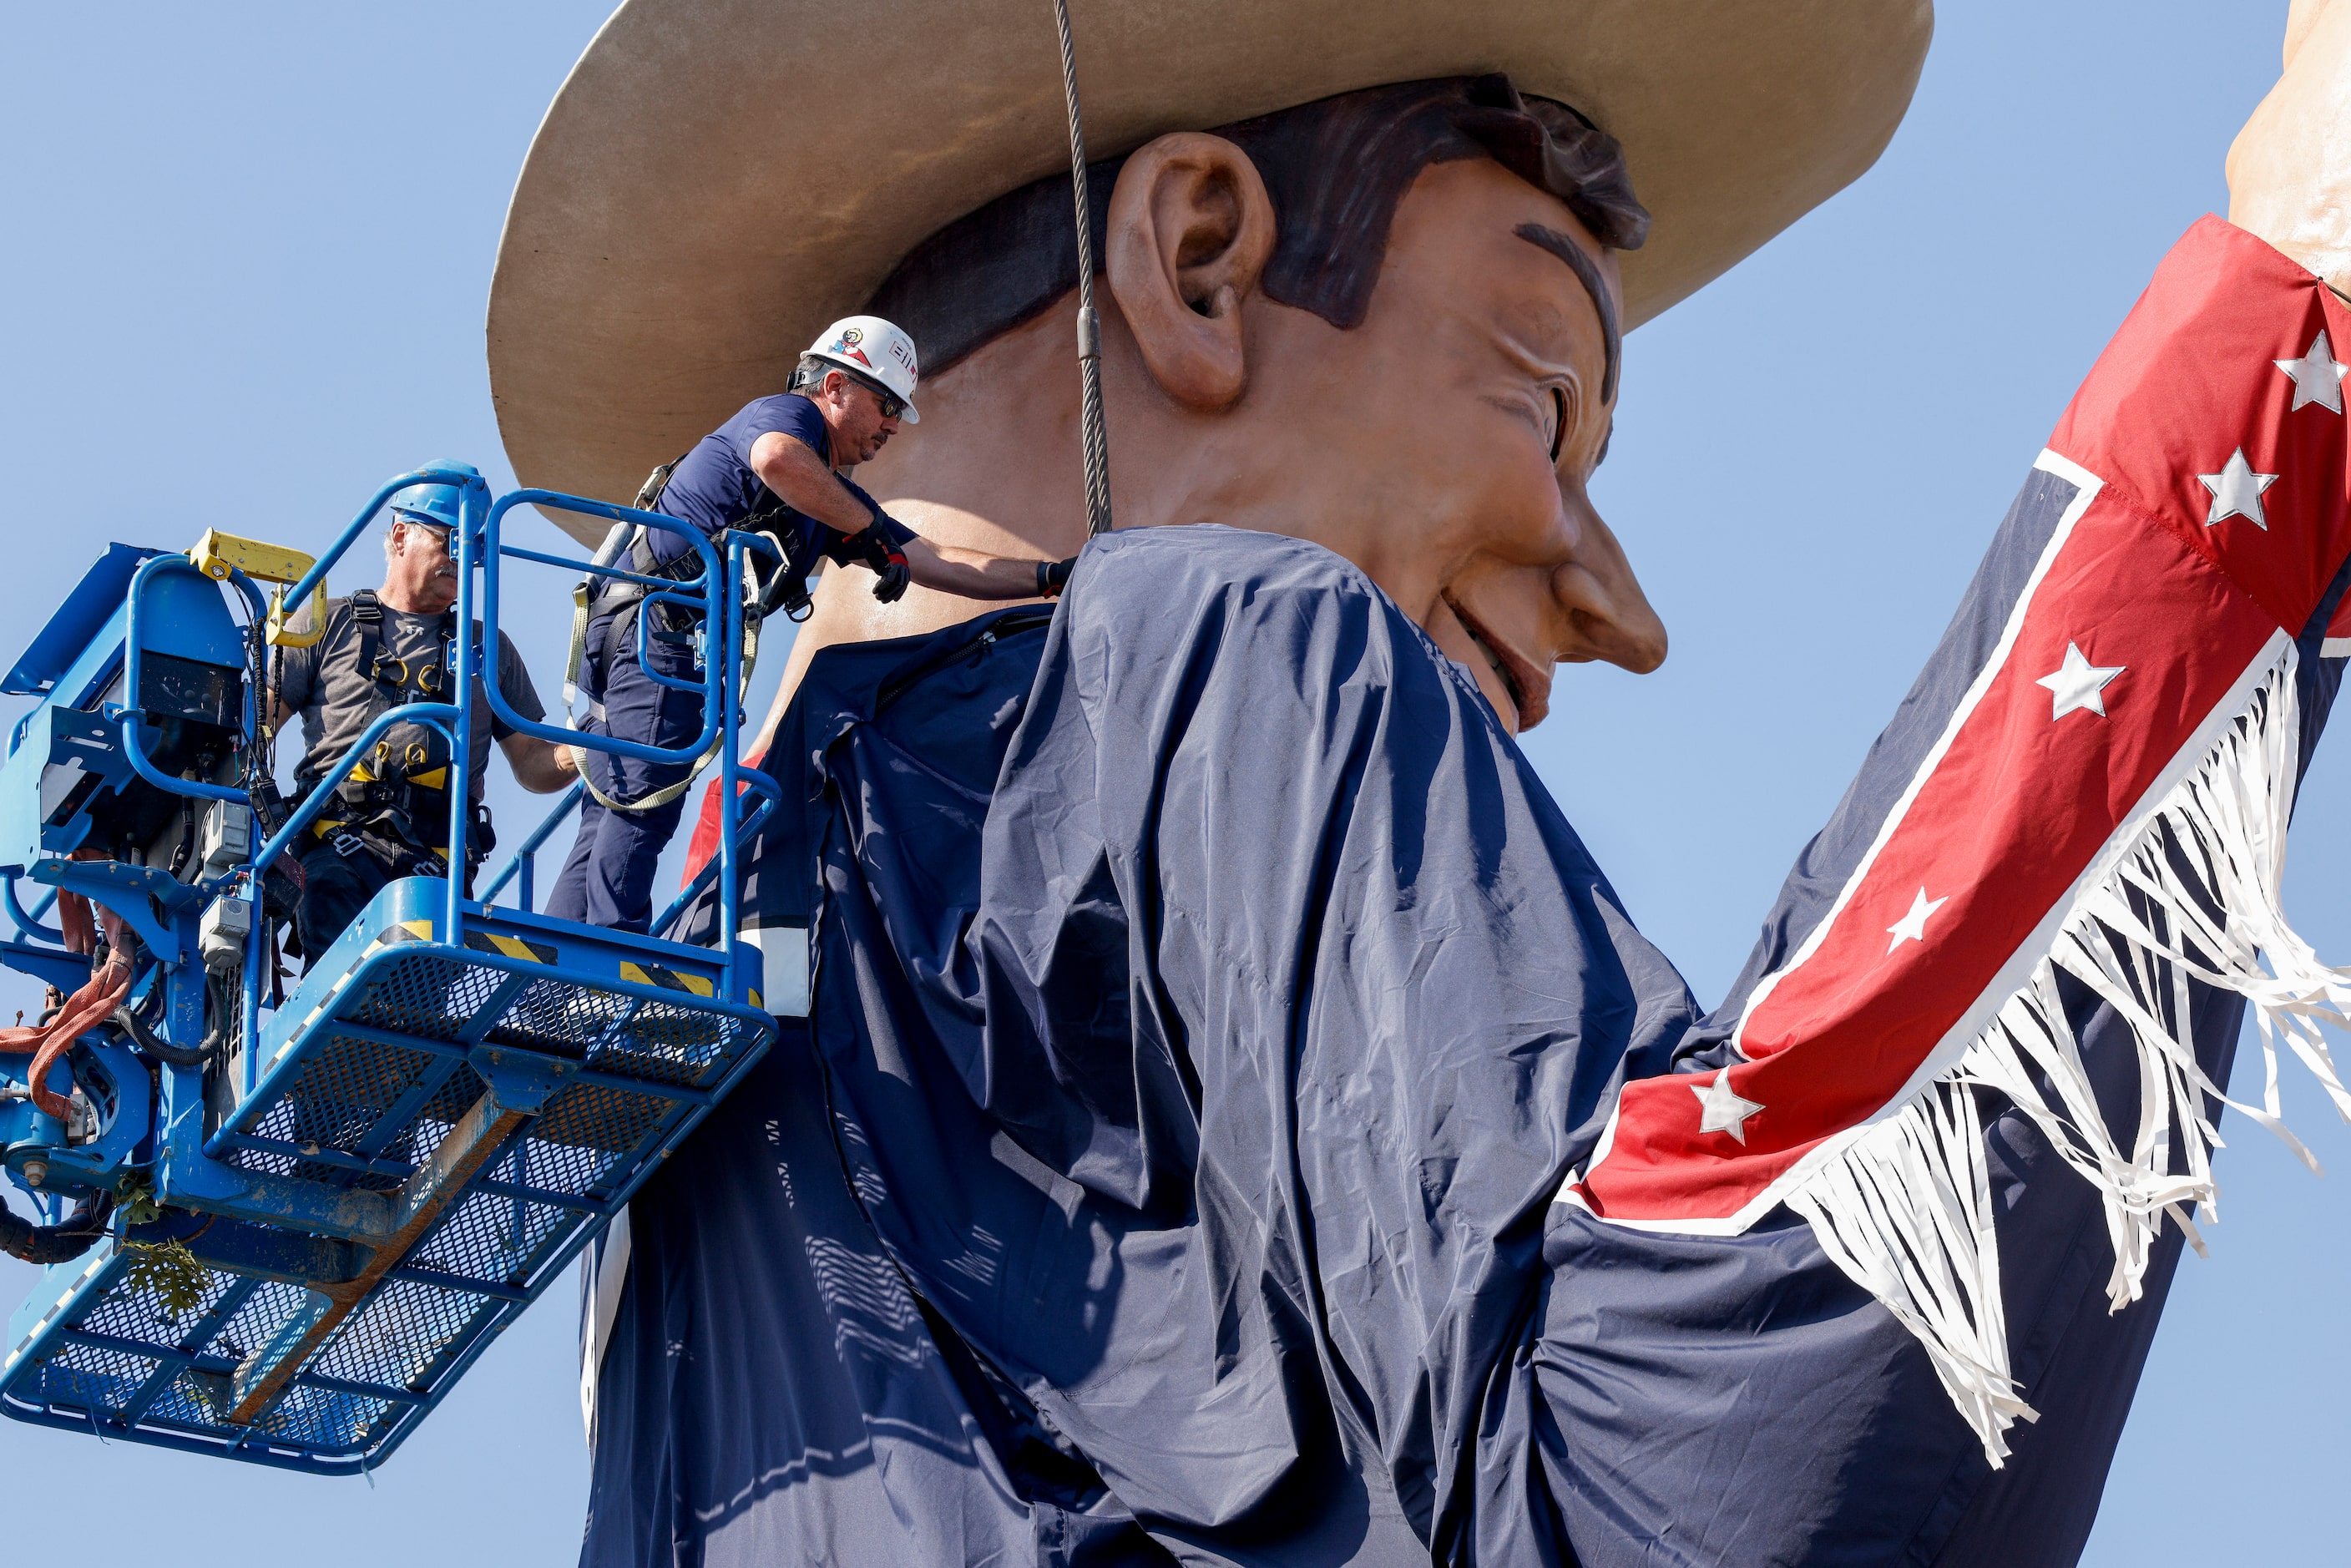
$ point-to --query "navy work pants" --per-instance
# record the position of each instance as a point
(609, 878)
(335, 888)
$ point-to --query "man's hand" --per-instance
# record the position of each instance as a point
(878, 550)
(540, 766)
(2290, 168)
(951, 569)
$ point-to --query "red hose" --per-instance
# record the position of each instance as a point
(86, 1008)
(75, 924)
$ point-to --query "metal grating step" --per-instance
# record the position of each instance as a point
(435, 1129)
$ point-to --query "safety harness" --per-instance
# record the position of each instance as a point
(786, 591)
(394, 805)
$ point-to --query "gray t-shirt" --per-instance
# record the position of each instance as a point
(338, 700)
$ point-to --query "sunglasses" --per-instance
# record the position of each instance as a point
(891, 404)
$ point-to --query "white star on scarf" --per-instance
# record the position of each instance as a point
(1721, 1109)
(2078, 684)
(1912, 927)
(2317, 376)
(2237, 491)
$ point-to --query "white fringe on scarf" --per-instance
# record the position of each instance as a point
(1906, 1209)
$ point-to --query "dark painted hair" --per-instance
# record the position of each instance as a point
(1335, 169)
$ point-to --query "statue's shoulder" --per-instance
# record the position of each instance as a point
(1164, 570)
(1261, 614)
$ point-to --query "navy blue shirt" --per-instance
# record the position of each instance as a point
(714, 486)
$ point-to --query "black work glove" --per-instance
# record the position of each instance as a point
(1052, 576)
(879, 552)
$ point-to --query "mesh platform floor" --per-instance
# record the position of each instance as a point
(365, 1076)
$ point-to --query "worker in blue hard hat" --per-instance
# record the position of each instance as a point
(380, 649)
(780, 466)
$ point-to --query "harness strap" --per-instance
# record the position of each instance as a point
(354, 838)
(664, 796)
(424, 680)
(573, 662)
(592, 595)
(367, 615)
(595, 596)
(380, 793)
(585, 592)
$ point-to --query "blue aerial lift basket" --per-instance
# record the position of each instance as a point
(325, 1212)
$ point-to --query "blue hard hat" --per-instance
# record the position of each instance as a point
(436, 506)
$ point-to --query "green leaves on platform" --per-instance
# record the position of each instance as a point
(170, 1273)
(165, 1269)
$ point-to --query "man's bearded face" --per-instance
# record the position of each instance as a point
(419, 565)
(852, 412)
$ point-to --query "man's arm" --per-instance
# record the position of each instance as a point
(2289, 174)
(542, 766)
(807, 483)
(973, 574)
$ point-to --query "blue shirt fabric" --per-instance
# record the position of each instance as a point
(715, 487)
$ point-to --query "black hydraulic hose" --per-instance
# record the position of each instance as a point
(147, 1045)
(210, 1049)
(226, 997)
(143, 1039)
(186, 847)
(47, 1244)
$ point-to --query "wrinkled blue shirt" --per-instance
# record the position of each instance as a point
(715, 487)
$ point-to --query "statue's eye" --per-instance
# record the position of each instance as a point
(1558, 420)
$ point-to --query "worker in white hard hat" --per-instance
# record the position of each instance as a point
(780, 466)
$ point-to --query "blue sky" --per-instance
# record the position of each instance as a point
(249, 251)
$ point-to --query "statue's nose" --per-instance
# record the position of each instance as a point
(1608, 615)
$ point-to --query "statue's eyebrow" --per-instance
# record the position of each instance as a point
(1574, 255)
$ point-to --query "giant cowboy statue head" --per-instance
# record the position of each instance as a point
(1366, 271)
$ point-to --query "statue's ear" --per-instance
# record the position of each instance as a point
(1190, 230)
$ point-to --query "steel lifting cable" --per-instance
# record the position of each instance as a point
(1095, 438)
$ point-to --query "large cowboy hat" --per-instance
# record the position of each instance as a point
(719, 177)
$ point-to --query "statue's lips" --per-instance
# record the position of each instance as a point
(1528, 683)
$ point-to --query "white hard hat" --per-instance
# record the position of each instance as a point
(874, 349)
